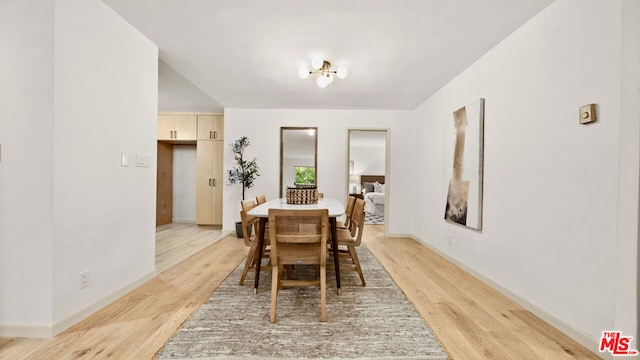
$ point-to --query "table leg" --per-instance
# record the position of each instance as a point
(334, 245)
(261, 227)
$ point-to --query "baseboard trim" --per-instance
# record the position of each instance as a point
(82, 314)
(183, 221)
(402, 236)
(18, 330)
(580, 337)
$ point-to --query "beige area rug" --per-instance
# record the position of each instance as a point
(371, 322)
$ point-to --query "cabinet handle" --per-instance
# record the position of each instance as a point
(215, 134)
(175, 134)
(210, 182)
(214, 182)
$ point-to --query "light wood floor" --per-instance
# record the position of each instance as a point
(471, 320)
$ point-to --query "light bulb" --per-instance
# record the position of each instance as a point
(322, 81)
(329, 78)
(342, 72)
(316, 62)
(303, 72)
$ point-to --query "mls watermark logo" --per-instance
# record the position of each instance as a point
(615, 343)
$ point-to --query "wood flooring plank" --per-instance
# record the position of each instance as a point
(469, 318)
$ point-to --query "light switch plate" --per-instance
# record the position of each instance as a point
(143, 160)
(587, 114)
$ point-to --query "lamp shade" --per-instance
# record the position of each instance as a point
(322, 81)
(342, 72)
(317, 62)
(354, 178)
(329, 78)
(303, 72)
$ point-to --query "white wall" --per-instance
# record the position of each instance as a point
(262, 127)
(175, 93)
(105, 104)
(550, 231)
(83, 91)
(26, 122)
(627, 270)
(368, 160)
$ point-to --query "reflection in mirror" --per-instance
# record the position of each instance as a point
(367, 157)
(298, 157)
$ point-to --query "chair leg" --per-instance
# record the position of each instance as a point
(274, 292)
(354, 256)
(323, 293)
(249, 263)
(282, 271)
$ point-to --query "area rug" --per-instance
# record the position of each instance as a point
(373, 219)
(374, 322)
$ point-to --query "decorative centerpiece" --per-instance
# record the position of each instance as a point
(302, 194)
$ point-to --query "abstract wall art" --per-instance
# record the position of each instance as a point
(464, 152)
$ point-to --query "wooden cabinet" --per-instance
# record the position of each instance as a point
(209, 175)
(209, 182)
(210, 127)
(205, 131)
(175, 127)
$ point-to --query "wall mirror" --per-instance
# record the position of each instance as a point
(298, 157)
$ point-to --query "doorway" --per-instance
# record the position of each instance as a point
(368, 159)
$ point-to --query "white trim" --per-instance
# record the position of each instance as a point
(183, 221)
(50, 330)
(82, 314)
(582, 338)
(25, 330)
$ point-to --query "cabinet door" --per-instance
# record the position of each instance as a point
(165, 127)
(205, 127)
(204, 182)
(209, 182)
(210, 127)
(184, 127)
(218, 127)
(218, 182)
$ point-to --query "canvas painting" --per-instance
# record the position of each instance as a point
(464, 132)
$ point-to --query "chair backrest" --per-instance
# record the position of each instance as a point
(248, 221)
(260, 199)
(351, 201)
(356, 225)
(300, 227)
(320, 195)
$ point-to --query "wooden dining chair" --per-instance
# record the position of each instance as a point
(261, 199)
(250, 234)
(352, 239)
(351, 201)
(298, 237)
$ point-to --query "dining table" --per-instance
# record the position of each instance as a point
(335, 209)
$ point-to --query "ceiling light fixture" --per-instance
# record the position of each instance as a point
(322, 68)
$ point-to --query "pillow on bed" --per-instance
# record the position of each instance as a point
(377, 187)
(369, 187)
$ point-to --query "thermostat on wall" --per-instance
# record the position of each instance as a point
(587, 114)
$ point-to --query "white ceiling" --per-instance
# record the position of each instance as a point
(246, 53)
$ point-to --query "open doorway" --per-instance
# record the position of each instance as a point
(368, 172)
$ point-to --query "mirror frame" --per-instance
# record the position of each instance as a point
(315, 150)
